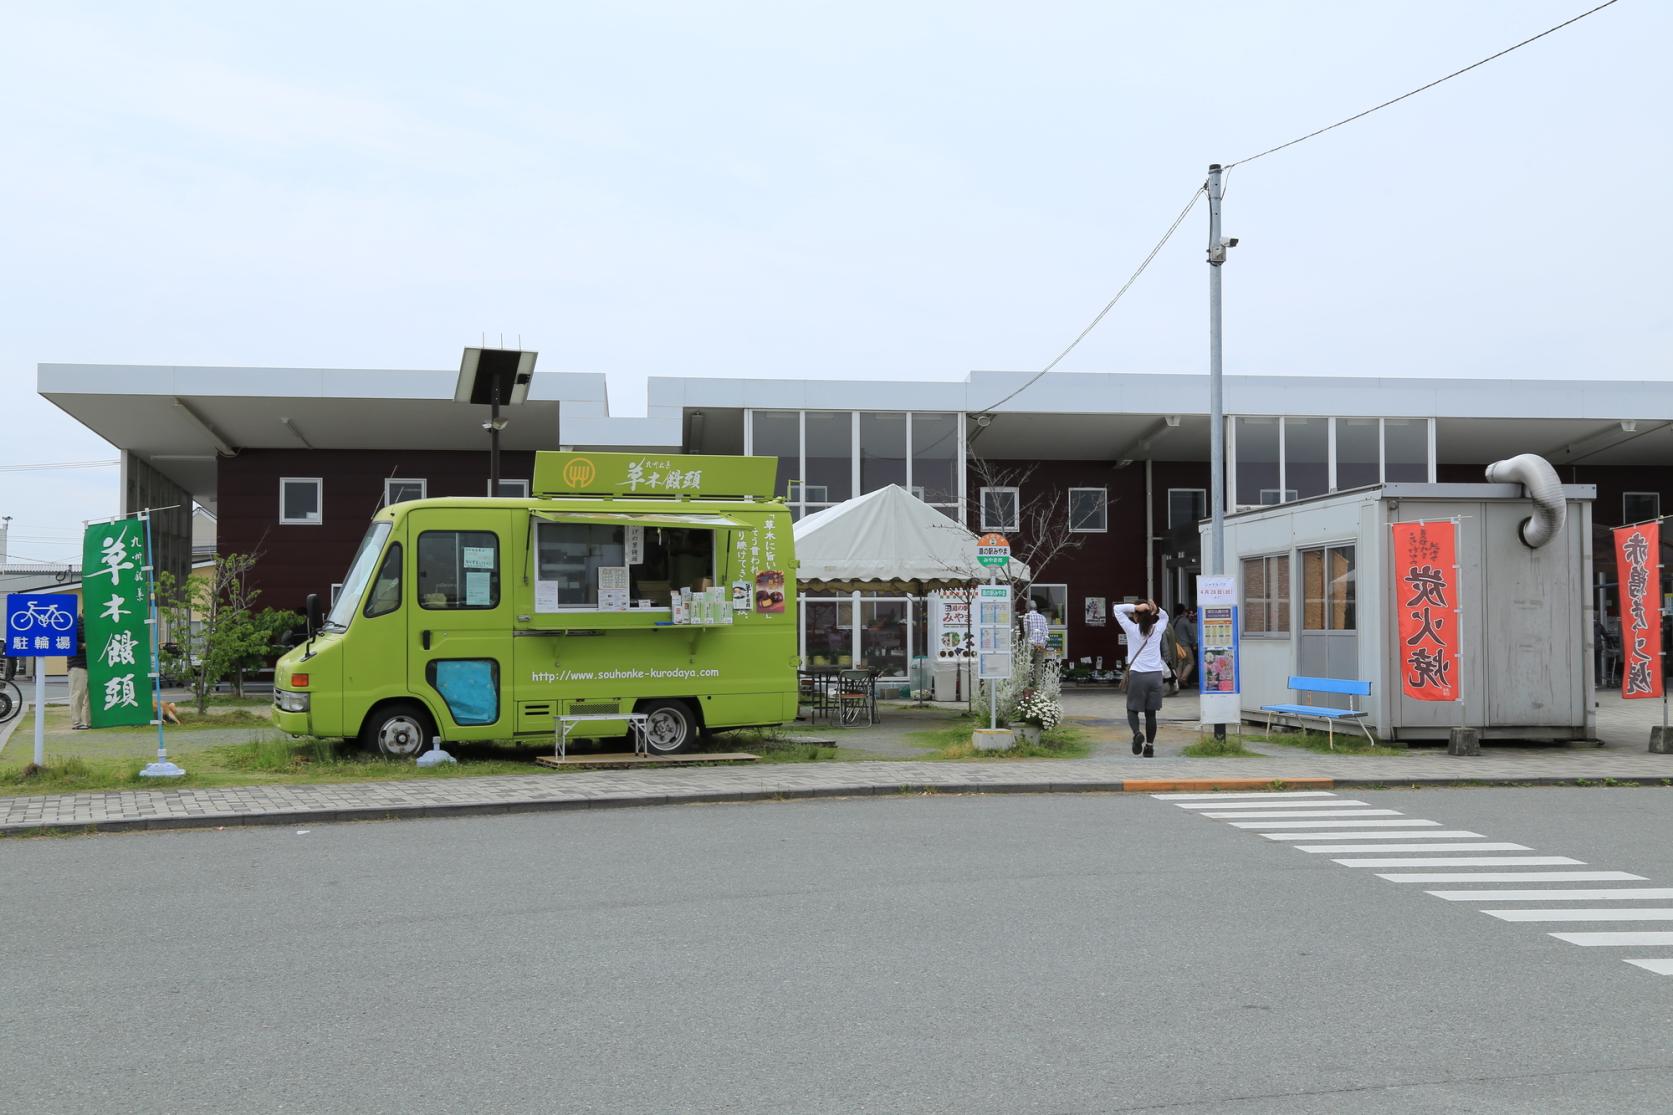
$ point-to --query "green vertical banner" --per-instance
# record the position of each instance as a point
(116, 606)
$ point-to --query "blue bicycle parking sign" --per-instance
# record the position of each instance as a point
(39, 626)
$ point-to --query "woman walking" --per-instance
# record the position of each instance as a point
(1144, 624)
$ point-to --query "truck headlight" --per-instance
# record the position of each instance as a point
(290, 702)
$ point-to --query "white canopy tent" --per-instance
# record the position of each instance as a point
(888, 539)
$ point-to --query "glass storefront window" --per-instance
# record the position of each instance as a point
(1256, 469)
(935, 457)
(1186, 507)
(1406, 450)
(883, 636)
(882, 451)
(1307, 456)
(1328, 589)
(1266, 595)
(830, 631)
(1357, 462)
(830, 455)
(778, 433)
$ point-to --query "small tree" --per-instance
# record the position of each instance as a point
(209, 631)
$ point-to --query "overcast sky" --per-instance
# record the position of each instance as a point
(847, 190)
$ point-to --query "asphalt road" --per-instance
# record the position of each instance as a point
(1005, 954)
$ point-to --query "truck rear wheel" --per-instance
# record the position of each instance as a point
(401, 731)
(671, 727)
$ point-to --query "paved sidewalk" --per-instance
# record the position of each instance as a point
(200, 808)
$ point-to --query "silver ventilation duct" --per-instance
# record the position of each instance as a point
(1539, 480)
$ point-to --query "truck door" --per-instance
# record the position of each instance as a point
(459, 649)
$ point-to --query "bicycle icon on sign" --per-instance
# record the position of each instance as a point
(48, 618)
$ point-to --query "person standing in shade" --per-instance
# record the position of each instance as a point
(81, 714)
(1144, 624)
(1184, 629)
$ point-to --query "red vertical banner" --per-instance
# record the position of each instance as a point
(1638, 562)
(1427, 605)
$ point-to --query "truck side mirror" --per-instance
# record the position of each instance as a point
(315, 616)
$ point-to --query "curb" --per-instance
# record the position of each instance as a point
(729, 797)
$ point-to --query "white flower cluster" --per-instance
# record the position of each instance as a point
(1038, 708)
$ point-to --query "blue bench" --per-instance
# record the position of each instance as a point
(1333, 686)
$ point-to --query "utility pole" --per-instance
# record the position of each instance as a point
(1216, 410)
(1217, 246)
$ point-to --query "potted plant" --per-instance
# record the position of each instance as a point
(1036, 713)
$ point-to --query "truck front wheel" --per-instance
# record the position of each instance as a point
(671, 726)
(400, 731)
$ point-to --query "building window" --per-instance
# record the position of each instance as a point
(1001, 509)
(301, 501)
(1306, 457)
(1271, 496)
(401, 489)
(1359, 452)
(1089, 510)
(336, 591)
(511, 489)
(935, 457)
(1405, 451)
(1328, 589)
(882, 451)
(778, 433)
(1640, 507)
(830, 453)
(1266, 595)
(1258, 461)
(1186, 507)
(458, 569)
(815, 494)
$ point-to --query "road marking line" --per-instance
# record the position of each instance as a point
(1333, 803)
(1484, 847)
(1511, 877)
(1659, 967)
(1318, 813)
(1581, 915)
(1621, 894)
(1463, 861)
(1594, 940)
(1384, 834)
(1275, 824)
(1240, 796)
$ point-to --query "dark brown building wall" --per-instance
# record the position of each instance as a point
(297, 560)
(1111, 564)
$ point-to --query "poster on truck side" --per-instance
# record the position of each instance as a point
(116, 594)
(1218, 673)
(1638, 563)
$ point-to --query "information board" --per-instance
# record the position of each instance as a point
(993, 632)
(1217, 650)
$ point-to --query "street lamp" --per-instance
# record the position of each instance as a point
(496, 377)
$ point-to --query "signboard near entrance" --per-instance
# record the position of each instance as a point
(994, 550)
(1637, 557)
(1427, 608)
(1217, 650)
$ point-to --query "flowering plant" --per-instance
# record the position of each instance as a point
(1039, 709)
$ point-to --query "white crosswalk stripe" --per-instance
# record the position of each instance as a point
(1286, 794)
(1286, 815)
(1659, 967)
(1382, 834)
(1582, 915)
(1618, 894)
(1331, 803)
(1314, 823)
(1484, 846)
(1511, 876)
(1464, 861)
(1614, 940)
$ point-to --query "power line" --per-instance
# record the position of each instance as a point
(1110, 305)
(1421, 88)
(60, 465)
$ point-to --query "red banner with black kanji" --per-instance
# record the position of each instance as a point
(1427, 606)
(1638, 562)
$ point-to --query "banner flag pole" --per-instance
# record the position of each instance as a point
(162, 768)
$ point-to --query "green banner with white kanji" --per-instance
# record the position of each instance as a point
(116, 603)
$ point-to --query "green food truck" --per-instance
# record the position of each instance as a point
(627, 583)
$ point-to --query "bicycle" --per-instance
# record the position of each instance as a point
(51, 616)
(11, 700)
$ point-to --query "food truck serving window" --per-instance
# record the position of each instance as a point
(458, 569)
(594, 565)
